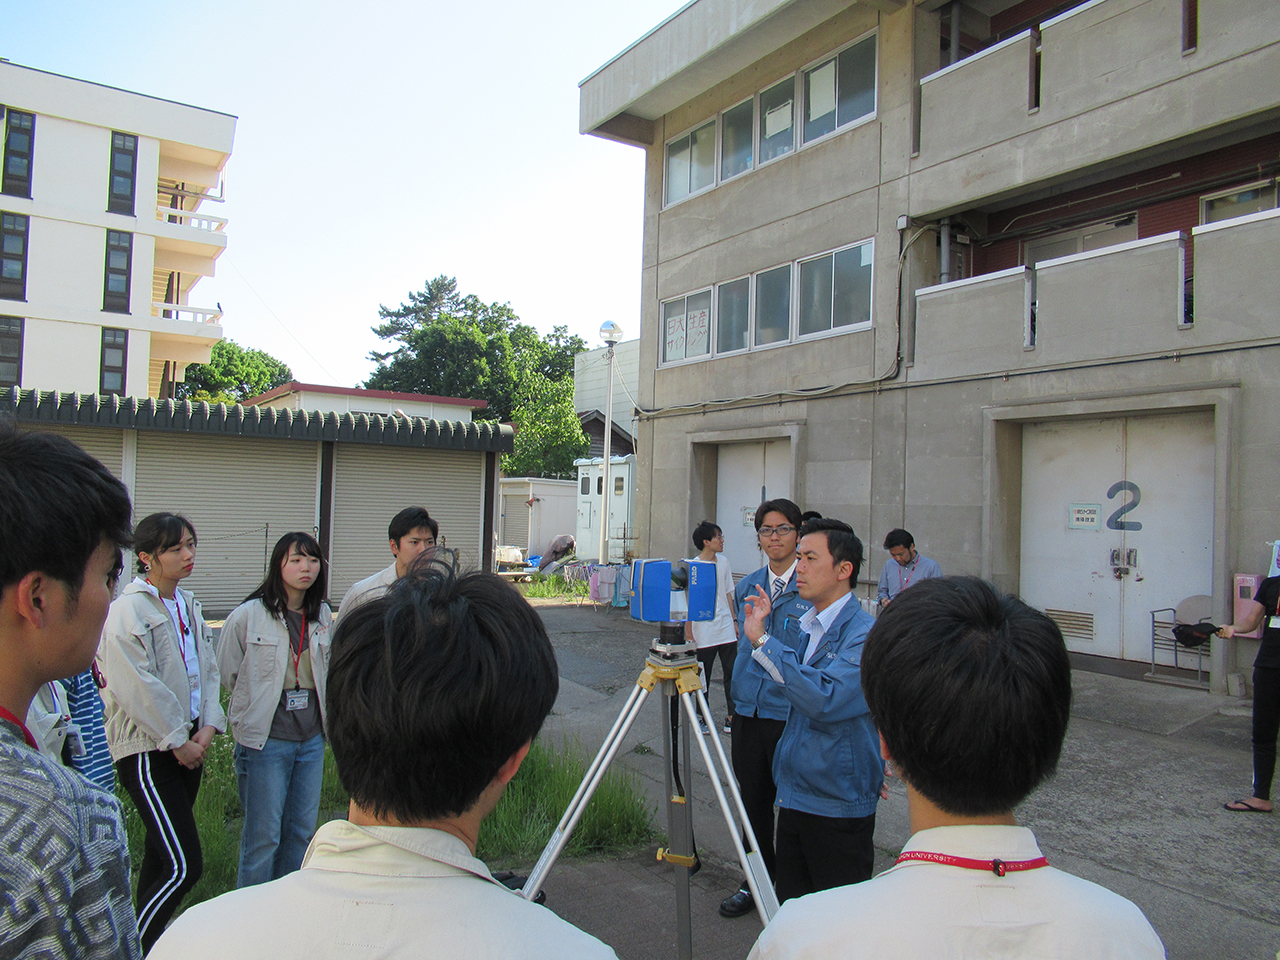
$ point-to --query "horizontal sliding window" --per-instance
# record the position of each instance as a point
(841, 90)
(835, 290)
(733, 304)
(686, 324)
(691, 162)
(736, 130)
(19, 142)
(10, 351)
(778, 120)
(13, 256)
(773, 305)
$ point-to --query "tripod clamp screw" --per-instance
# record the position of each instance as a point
(675, 858)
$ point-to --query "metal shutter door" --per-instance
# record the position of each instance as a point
(515, 521)
(241, 494)
(372, 484)
(106, 445)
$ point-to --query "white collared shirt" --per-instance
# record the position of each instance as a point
(817, 624)
(185, 629)
(785, 577)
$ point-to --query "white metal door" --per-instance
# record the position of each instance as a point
(746, 475)
(1117, 520)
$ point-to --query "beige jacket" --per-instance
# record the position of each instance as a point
(146, 702)
(253, 655)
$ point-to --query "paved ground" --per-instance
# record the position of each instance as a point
(1136, 806)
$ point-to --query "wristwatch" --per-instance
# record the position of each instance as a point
(764, 638)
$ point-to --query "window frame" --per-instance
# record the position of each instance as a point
(751, 315)
(21, 336)
(833, 57)
(752, 164)
(714, 123)
(23, 258)
(123, 369)
(25, 182)
(132, 153)
(662, 321)
(834, 331)
(112, 301)
(1273, 184)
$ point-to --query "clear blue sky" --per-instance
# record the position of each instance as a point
(382, 144)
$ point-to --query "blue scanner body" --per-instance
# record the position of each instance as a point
(654, 599)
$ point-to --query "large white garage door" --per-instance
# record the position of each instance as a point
(1117, 521)
(241, 494)
(372, 484)
(746, 475)
(103, 443)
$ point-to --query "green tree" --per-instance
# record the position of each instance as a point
(448, 344)
(232, 374)
(549, 435)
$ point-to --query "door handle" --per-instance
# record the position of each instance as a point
(1115, 558)
(1131, 556)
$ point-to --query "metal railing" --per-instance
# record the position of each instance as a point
(191, 218)
(174, 311)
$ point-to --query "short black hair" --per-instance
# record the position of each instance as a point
(842, 542)
(781, 505)
(971, 691)
(432, 688)
(409, 519)
(57, 506)
(704, 531)
(898, 538)
(809, 515)
(157, 532)
(272, 591)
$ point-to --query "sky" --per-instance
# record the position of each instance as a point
(379, 146)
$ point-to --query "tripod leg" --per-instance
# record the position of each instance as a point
(585, 791)
(679, 818)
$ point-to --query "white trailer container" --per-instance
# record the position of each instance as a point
(532, 512)
(622, 506)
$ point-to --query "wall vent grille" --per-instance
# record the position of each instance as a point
(1074, 624)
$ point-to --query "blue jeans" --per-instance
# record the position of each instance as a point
(280, 792)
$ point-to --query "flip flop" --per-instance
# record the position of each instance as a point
(1243, 806)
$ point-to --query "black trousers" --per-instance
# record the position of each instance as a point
(707, 658)
(817, 853)
(164, 791)
(1266, 725)
(754, 741)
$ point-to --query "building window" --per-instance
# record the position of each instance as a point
(773, 305)
(115, 294)
(778, 120)
(737, 129)
(686, 325)
(19, 140)
(115, 354)
(13, 256)
(124, 160)
(835, 290)
(10, 352)
(733, 313)
(691, 162)
(1238, 202)
(841, 90)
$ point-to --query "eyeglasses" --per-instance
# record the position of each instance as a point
(782, 531)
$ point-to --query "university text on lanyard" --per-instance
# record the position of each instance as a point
(995, 865)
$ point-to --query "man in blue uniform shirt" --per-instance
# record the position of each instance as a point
(759, 708)
(827, 766)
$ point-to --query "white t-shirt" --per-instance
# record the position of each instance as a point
(187, 642)
(713, 633)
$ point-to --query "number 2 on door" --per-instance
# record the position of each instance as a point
(1114, 522)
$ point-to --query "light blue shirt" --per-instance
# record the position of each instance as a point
(894, 577)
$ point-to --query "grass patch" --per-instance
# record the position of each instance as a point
(514, 834)
(555, 587)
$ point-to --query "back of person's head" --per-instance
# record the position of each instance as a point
(57, 505)
(157, 532)
(898, 538)
(432, 688)
(410, 519)
(704, 531)
(809, 515)
(272, 591)
(842, 543)
(780, 505)
(971, 691)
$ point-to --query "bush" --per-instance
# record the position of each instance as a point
(555, 586)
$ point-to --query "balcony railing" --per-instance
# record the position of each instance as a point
(175, 311)
(191, 218)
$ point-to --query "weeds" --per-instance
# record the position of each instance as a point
(555, 586)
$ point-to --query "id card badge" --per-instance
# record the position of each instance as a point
(1274, 623)
(296, 699)
(75, 740)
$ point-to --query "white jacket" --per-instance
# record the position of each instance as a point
(253, 655)
(146, 702)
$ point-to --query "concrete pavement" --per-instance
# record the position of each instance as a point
(1136, 806)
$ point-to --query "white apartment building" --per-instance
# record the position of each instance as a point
(105, 228)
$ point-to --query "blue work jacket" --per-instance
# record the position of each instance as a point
(754, 694)
(828, 760)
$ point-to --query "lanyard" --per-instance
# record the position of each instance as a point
(995, 865)
(26, 734)
(903, 584)
(297, 654)
(182, 626)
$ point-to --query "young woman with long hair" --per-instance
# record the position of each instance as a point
(162, 710)
(274, 655)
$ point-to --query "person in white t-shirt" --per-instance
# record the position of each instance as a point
(716, 638)
(971, 693)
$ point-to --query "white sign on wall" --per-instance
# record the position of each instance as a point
(1084, 516)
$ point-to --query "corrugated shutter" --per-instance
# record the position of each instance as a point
(241, 494)
(515, 521)
(105, 444)
(372, 484)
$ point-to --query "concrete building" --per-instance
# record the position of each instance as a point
(354, 400)
(104, 212)
(590, 386)
(1001, 273)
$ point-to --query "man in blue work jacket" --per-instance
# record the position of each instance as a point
(827, 764)
(759, 708)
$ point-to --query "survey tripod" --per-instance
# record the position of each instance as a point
(672, 663)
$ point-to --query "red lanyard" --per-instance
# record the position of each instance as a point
(182, 627)
(996, 866)
(297, 654)
(26, 734)
(903, 584)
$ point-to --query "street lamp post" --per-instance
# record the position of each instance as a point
(610, 333)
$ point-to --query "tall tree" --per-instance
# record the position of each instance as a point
(549, 435)
(449, 344)
(232, 374)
